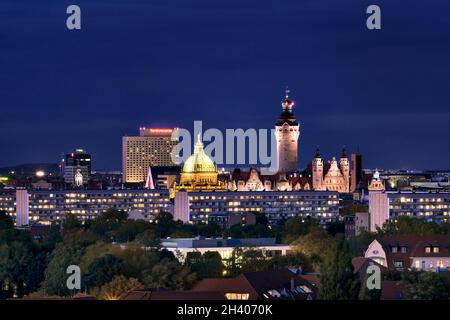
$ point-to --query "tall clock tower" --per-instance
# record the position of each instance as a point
(287, 131)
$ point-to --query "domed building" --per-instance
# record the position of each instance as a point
(199, 168)
(199, 172)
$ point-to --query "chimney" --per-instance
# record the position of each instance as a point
(292, 284)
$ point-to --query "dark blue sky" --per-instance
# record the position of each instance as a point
(226, 62)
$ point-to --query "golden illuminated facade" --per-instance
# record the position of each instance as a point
(199, 172)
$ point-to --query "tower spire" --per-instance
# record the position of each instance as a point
(287, 103)
(344, 152)
(317, 155)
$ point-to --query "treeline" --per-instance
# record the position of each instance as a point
(116, 255)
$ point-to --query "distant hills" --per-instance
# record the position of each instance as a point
(31, 168)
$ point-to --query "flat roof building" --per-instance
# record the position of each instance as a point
(152, 148)
(384, 205)
(224, 246)
(276, 205)
(46, 206)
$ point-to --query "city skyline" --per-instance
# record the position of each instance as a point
(383, 94)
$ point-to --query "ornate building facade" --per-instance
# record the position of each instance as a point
(331, 176)
(199, 173)
(253, 180)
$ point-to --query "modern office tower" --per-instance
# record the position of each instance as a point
(356, 174)
(287, 131)
(77, 167)
(152, 148)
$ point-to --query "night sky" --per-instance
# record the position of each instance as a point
(169, 62)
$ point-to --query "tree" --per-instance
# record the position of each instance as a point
(431, 286)
(296, 260)
(101, 271)
(96, 251)
(53, 238)
(296, 227)
(69, 252)
(208, 265)
(22, 263)
(316, 245)
(415, 226)
(72, 223)
(170, 274)
(128, 230)
(369, 294)
(6, 221)
(351, 209)
(118, 287)
(359, 243)
(21, 267)
(62, 257)
(165, 224)
(148, 238)
(252, 260)
(138, 262)
(248, 231)
(208, 229)
(108, 221)
(335, 227)
(337, 279)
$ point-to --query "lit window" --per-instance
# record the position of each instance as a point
(237, 296)
(436, 250)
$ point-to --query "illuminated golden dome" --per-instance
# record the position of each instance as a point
(199, 161)
(199, 168)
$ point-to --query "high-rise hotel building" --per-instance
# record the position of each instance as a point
(152, 148)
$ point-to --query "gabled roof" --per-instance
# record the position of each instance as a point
(360, 264)
(259, 284)
(415, 247)
(416, 244)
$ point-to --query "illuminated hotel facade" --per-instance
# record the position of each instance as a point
(152, 148)
(276, 205)
(46, 206)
